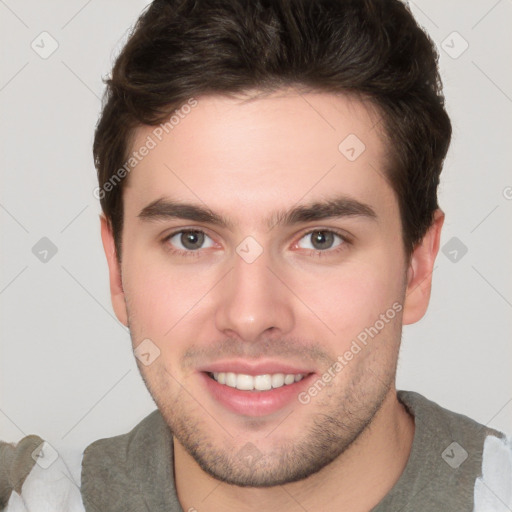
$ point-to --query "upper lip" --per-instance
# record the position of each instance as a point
(254, 368)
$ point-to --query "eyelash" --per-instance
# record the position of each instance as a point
(318, 253)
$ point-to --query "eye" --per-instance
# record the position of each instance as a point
(189, 240)
(321, 240)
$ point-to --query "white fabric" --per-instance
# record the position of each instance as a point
(50, 488)
(493, 490)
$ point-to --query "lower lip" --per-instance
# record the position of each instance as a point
(255, 403)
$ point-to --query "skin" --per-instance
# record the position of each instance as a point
(348, 446)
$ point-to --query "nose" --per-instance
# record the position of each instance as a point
(253, 301)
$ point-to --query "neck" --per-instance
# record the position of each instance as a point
(357, 480)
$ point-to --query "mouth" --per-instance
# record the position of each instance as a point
(264, 382)
(254, 391)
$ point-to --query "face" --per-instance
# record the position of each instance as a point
(263, 260)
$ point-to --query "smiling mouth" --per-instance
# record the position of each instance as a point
(265, 382)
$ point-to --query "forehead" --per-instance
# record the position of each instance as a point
(257, 152)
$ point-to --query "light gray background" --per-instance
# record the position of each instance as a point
(67, 372)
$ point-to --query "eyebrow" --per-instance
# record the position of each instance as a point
(338, 207)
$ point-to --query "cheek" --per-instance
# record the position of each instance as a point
(353, 296)
(154, 304)
(148, 294)
(162, 299)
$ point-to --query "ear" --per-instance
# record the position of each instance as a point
(419, 272)
(114, 270)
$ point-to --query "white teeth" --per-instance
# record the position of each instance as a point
(277, 380)
(231, 380)
(263, 382)
(258, 382)
(289, 379)
(244, 382)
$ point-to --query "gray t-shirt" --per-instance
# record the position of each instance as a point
(444, 463)
(135, 471)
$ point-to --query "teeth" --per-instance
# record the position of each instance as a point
(277, 380)
(258, 382)
(289, 379)
(231, 380)
(262, 382)
(245, 382)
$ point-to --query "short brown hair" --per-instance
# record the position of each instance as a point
(180, 49)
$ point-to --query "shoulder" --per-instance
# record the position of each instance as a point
(121, 447)
(444, 423)
(133, 470)
(468, 460)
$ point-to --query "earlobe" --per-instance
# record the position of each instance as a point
(419, 272)
(114, 270)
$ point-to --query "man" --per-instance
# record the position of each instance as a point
(268, 174)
